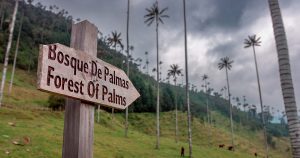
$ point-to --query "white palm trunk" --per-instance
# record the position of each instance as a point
(187, 84)
(15, 57)
(230, 106)
(207, 108)
(176, 120)
(261, 105)
(208, 112)
(157, 97)
(127, 47)
(11, 31)
(286, 77)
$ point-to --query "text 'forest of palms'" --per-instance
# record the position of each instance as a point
(76, 74)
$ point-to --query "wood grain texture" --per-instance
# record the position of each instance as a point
(79, 117)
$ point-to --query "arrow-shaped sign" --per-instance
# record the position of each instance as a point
(76, 74)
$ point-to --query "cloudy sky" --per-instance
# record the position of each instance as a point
(216, 28)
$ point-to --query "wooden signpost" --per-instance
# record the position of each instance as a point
(77, 73)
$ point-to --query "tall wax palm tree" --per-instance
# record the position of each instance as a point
(115, 40)
(207, 92)
(147, 63)
(11, 31)
(131, 48)
(227, 64)
(221, 91)
(175, 71)
(140, 63)
(286, 77)
(160, 69)
(16, 55)
(253, 41)
(244, 103)
(187, 98)
(127, 51)
(154, 14)
(225, 96)
(204, 78)
(153, 71)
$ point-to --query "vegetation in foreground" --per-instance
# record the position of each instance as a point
(45, 129)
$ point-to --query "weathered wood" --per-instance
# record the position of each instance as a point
(79, 117)
(76, 74)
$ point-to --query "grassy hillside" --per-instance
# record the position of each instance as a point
(24, 94)
(45, 128)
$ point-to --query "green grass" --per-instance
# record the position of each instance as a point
(45, 129)
(24, 93)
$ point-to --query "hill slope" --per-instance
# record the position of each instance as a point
(45, 129)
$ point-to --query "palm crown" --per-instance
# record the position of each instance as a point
(174, 71)
(115, 40)
(252, 41)
(154, 13)
(204, 77)
(225, 62)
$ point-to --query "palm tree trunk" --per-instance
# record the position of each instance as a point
(230, 106)
(207, 108)
(207, 112)
(261, 105)
(15, 57)
(11, 31)
(286, 77)
(147, 68)
(157, 78)
(113, 109)
(127, 45)
(187, 101)
(176, 121)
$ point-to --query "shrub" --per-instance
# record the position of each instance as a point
(56, 102)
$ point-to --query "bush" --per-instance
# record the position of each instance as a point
(56, 102)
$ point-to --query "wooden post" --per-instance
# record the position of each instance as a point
(79, 117)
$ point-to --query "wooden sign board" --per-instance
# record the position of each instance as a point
(73, 73)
